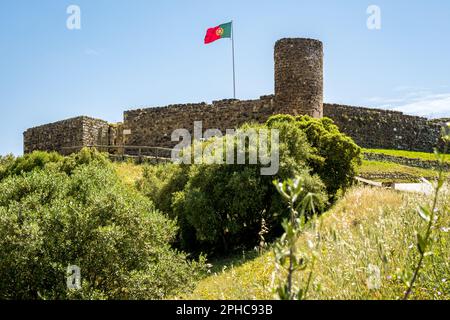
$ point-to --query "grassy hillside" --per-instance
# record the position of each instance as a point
(406, 154)
(395, 172)
(368, 227)
(369, 168)
(130, 172)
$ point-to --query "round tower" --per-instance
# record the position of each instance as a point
(299, 77)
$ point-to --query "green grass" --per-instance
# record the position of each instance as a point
(407, 154)
(372, 167)
(128, 172)
(368, 227)
(240, 279)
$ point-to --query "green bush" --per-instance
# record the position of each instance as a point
(84, 157)
(335, 157)
(6, 160)
(222, 207)
(159, 182)
(27, 163)
(50, 220)
(37, 160)
(5, 163)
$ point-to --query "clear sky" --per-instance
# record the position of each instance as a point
(134, 53)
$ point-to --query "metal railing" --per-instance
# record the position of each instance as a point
(140, 153)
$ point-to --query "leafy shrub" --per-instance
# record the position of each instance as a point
(335, 157)
(50, 220)
(37, 160)
(222, 206)
(160, 182)
(29, 162)
(84, 157)
(5, 163)
(6, 160)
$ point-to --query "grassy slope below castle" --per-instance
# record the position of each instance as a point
(366, 227)
(367, 223)
(424, 156)
(130, 172)
(393, 172)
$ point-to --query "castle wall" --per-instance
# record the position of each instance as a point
(370, 128)
(95, 132)
(154, 126)
(298, 91)
(384, 129)
(61, 135)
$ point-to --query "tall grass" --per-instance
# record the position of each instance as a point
(375, 229)
(369, 229)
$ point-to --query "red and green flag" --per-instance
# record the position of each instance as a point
(219, 32)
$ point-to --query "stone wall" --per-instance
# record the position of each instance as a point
(391, 176)
(370, 128)
(63, 136)
(384, 129)
(95, 132)
(154, 126)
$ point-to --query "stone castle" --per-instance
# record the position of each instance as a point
(298, 91)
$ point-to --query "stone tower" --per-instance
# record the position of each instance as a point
(299, 77)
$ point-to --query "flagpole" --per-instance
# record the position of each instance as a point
(234, 69)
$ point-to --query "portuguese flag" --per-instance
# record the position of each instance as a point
(219, 32)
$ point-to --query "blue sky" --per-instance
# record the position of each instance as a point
(136, 53)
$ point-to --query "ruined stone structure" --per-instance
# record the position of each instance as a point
(385, 129)
(65, 136)
(154, 126)
(298, 91)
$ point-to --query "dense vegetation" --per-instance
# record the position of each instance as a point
(334, 157)
(56, 212)
(223, 207)
(374, 244)
(124, 225)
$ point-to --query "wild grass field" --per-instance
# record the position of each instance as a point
(367, 228)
